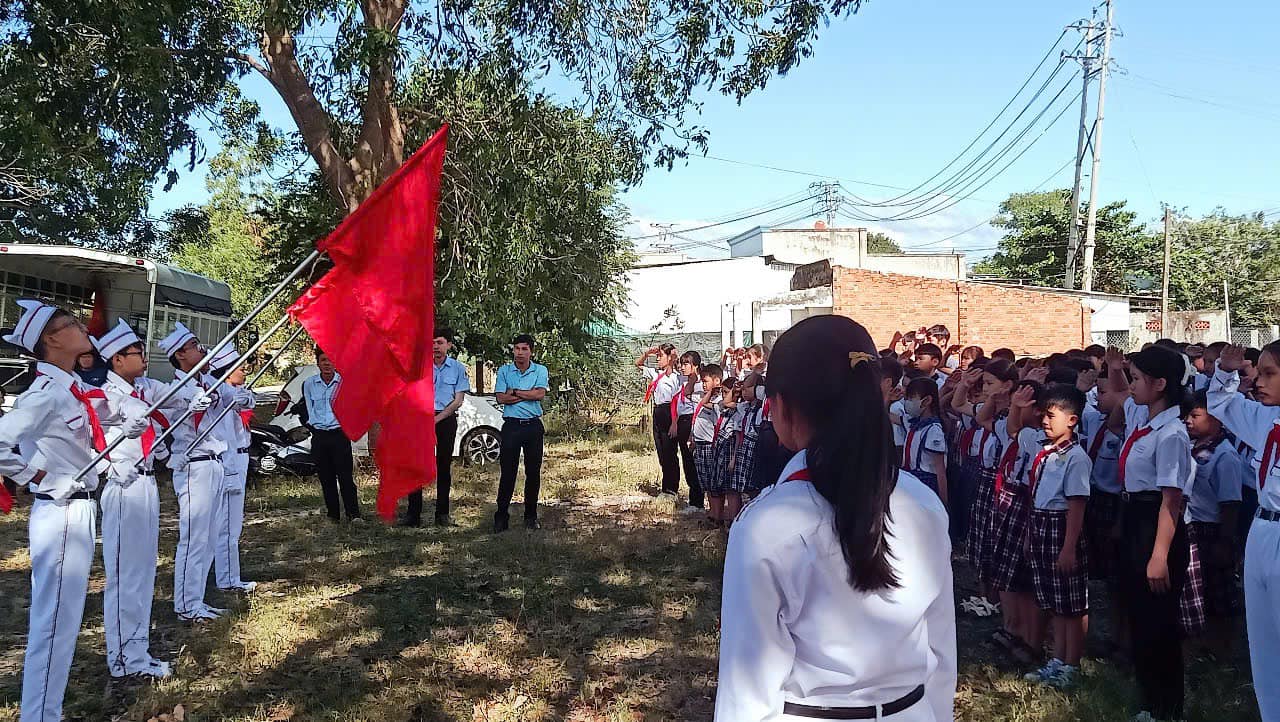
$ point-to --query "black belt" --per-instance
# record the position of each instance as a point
(523, 422)
(1141, 496)
(796, 709)
(206, 457)
(77, 495)
(245, 450)
(1268, 515)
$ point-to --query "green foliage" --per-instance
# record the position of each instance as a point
(882, 244)
(1244, 251)
(95, 99)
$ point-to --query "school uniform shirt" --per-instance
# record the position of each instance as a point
(939, 379)
(185, 433)
(511, 378)
(898, 408)
(1063, 473)
(1030, 443)
(923, 438)
(1250, 462)
(1103, 447)
(140, 394)
(1159, 450)
(1200, 382)
(794, 629)
(683, 402)
(1218, 480)
(50, 429)
(319, 398)
(985, 445)
(662, 386)
(705, 417)
(1253, 424)
(449, 379)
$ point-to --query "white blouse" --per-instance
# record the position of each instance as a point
(793, 629)
(1161, 457)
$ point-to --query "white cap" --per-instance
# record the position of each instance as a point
(116, 340)
(225, 357)
(35, 316)
(176, 340)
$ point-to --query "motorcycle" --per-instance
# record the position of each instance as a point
(273, 451)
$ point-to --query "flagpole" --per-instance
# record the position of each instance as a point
(204, 362)
(248, 385)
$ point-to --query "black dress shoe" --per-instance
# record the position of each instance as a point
(444, 520)
(532, 524)
(500, 524)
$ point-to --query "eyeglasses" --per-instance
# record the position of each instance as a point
(143, 354)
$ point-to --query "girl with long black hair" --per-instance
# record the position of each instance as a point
(837, 600)
(1155, 471)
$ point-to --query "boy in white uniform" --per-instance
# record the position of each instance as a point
(131, 512)
(229, 518)
(197, 476)
(52, 433)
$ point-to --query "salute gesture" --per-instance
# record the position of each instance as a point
(1231, 358)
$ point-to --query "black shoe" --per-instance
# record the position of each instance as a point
(409, 522)
(500, 523)
(532, 524)
(444, 520)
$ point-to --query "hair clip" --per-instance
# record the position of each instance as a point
(857, 357)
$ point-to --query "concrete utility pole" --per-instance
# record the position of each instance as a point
(1164, 291)
(1073, 238)
(1090, 231)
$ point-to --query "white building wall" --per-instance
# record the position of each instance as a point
(699, 293)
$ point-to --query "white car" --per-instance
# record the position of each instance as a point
(479, 421)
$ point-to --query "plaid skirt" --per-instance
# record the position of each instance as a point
(1009, 569)
(709, 474)
(730, 482)
(1100, 518)
(1221, 592)
(1192, 616)
(1065, 595)
(980, 513)
(744, 464)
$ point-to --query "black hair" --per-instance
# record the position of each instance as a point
(975, 351)
(852, 462)
(1002, 370)
(712, 370)
(911, 372)
(666, 348)
(1194, 351)
(443, 332)
(1273, 350)
(891, 369)
(39, 350)
(929, 349)
(219, 372)
(1193, 401)
(888, 353)
(1167, 343)
(1054, 360)
(1096, 351)
(528, 340)
(1062, 375)
(1065, 397)
(980, 363)
(691, 357)
(320, 352)
(1079, 365)
(1252, 355)
(925, 387)
(1004, 353)
(759, 349)
(1216, 346)
(1162, 362)
(939, 330)
(111, 362)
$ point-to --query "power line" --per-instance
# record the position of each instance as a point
(743, 217)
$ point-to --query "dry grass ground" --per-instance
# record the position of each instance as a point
(608, 613)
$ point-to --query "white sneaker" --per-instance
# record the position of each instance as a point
(1045, 673)
(211, 612)
(161, 669)
(246, 587)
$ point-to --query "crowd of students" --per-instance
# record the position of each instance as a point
(1139, 472)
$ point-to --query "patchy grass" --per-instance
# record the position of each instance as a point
(608, 614)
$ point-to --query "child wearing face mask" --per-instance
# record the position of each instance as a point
(924, 453)
(742, 465)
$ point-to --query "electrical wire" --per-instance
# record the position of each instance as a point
(810, 196)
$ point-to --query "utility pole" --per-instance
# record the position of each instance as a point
(1090, 231)
(1073, 238)
(1226, 307)
(1164, 291)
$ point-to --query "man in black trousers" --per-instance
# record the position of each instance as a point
(451, 386)
(330, 446)
(520, 387)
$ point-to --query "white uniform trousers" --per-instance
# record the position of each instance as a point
(230, 521)
(197, 487)
(1261, 602)
(61, 554)
(130, 534)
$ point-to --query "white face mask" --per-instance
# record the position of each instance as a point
(913, 407)
(760, 396)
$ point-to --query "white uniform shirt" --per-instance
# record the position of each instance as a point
(1162, 457)
(927, 438)
(898, 408)
(128, 454)
(1103, 447)
(1251, 423)
(704, 420)
(1250, 462)
(231, 427)
(1218, 473)
(793, 629)
(49, 429)
(1062, 475)
(186, 432)
(1030, 442)
(664, 385)
(986, 445)
(685, 403)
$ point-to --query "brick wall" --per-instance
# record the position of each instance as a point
(1029, 322)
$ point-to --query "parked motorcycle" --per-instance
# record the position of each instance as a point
(273, 451)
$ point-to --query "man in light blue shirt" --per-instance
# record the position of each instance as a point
(451, 385)
(330, 446)
(520, 386)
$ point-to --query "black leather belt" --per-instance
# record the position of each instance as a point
(77, 495)
(205, 457)
(523, 422)
(1268, 515)
(1141, 496)
(245, 450)
(796, 709)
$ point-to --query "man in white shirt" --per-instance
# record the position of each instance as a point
(52, 433)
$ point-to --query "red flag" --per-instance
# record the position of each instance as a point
(373, 315)
(6, 499)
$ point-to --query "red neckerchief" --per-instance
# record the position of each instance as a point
(246, 416)
(648, 395)
(85, 399)
(1269, 450)
(1096, 445)
(800, 475)
(1006, 464)
(966, 440)
(1134, 438)
(149, 435)
(1037, 466)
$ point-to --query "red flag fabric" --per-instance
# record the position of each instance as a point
(6, 499)
(373, 315)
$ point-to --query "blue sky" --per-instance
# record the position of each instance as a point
(893, 93)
